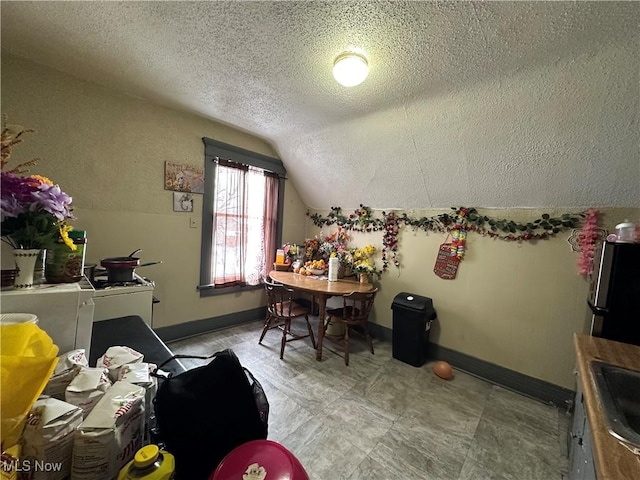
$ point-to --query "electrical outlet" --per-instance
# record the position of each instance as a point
(193, 222)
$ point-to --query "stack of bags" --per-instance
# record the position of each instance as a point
(90, 421)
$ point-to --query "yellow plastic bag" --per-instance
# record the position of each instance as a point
(27, 359)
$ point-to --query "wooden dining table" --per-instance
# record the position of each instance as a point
(322, 289)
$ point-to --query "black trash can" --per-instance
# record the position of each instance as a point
(412, 316)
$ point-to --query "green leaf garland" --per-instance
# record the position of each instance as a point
(462, 219)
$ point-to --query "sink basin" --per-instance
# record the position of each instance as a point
(619, 392)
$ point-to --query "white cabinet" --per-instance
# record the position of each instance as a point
(64, 311)
(581, 461)
(115, 302)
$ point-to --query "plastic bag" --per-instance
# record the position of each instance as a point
(27, 361)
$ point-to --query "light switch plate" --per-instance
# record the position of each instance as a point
(193, 222)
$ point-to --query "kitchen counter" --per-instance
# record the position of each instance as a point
(612, 459)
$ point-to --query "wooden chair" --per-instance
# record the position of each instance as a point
(354, 313)
(281, 310)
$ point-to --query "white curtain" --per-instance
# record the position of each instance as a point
(244, 224)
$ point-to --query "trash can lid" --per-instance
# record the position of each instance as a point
(411, 301)
(260, 459)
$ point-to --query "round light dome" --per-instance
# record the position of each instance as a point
(350, 69)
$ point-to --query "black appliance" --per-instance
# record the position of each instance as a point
(614, 292)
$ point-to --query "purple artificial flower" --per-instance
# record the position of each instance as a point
(16, 195)
(53, 200)
(21, 194)
(10, 207)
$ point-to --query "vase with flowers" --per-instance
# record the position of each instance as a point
(336, 245)
(33, 216)
(33, 211)
(290, 252)
(363, 263)
(310, 248)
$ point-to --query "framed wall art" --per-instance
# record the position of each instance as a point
(181, 177)
(182, 202)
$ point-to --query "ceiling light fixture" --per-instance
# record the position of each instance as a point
(350, 69)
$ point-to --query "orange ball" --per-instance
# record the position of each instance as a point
(443, 370)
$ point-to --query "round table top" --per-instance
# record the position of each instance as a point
(319, 285)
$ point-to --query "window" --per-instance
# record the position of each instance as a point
(242, 217)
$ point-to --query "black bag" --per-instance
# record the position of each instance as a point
(204, 413)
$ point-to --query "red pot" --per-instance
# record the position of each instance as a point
(120, 269)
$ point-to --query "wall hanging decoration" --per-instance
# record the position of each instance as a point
(458, 223)
(586, 240)
(181, 177)
(573, 240)
(182, 202)
(459, 234)
(447, 262)
(390, 241)
(576, 237)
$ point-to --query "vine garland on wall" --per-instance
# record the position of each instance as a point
(587, 238)
(457, 223)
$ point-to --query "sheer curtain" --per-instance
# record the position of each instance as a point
(272, 185)
(245, 216)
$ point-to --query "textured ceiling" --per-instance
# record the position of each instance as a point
(467, 103)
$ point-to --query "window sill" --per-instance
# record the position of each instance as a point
(206, 291)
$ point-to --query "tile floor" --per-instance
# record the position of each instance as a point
(382, 419)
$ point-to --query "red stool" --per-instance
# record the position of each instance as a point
(254, 460)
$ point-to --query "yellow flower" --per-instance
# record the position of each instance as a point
(64, 234)
(369, 250)
(42, 179)
(362, 261)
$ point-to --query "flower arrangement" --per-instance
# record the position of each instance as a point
(290, 252)
(311, 246)
(362, 261)
(335, 245)
(33, 212)
(346, 260)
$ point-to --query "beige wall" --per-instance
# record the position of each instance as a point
(107, 151)
(514, 305)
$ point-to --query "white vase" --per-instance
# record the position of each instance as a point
(38, 272)
(25, 263)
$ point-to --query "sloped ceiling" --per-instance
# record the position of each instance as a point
(494, 104)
